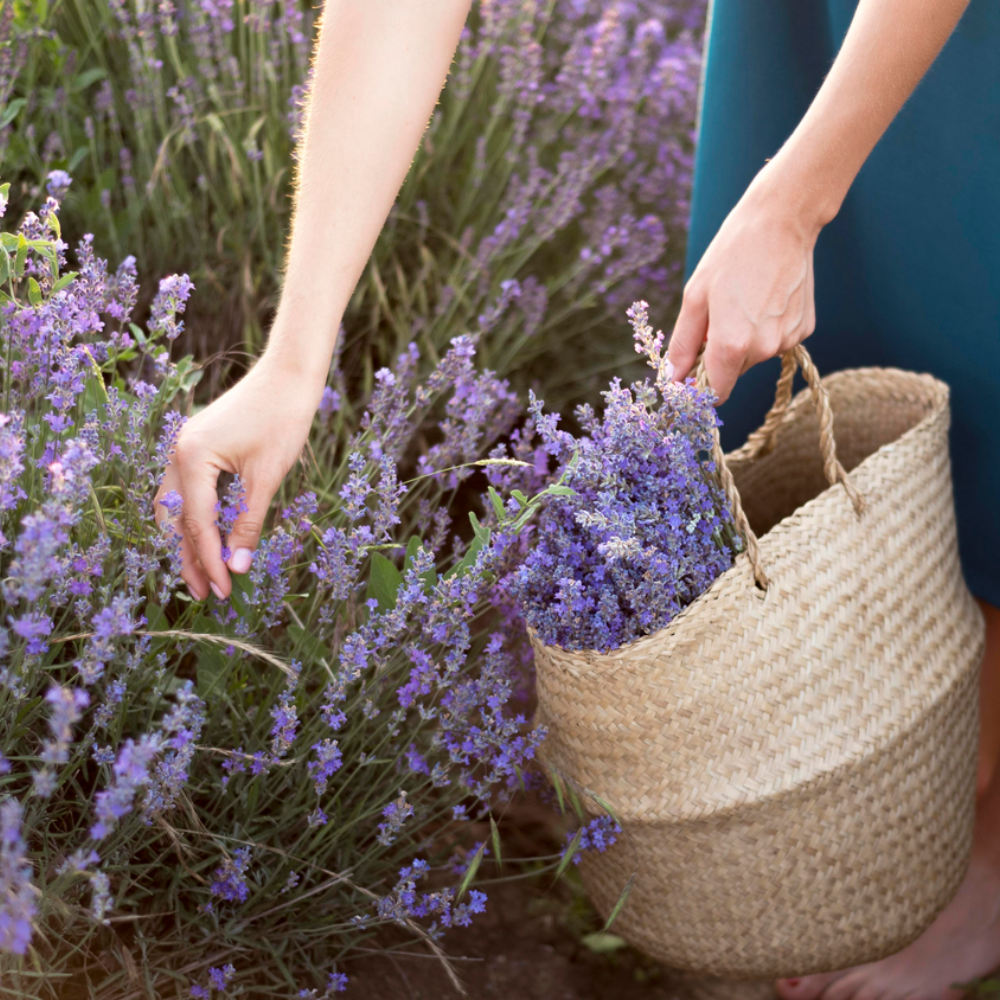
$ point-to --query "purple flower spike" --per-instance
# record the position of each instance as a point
(17, 897)
(230, 878)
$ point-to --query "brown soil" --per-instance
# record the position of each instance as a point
(521, 949)
(532, 944)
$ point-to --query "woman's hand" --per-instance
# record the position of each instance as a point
(751, 294)
(257, 430)
(378, 70)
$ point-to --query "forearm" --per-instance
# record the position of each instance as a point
(379, 69)
(888, 48)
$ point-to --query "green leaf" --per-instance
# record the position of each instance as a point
(481, 532)
(10, 112)
(34, 292)
(605, 806)
(470, 872)
(384, 582)
(212, 669)
(520, 779)
(76, 159)
(83, 80)
(138, 333)
(22, 256)
(559, 491)
(519, 497)
(243, 587)
(65, 280)
(497, 504)
(413, 546)
(204, 625)
(574, 799)
(620, 905)
(468, 560)
(95, 394)
(570, 852)
(601, 943)
(156, 619)
(495, 831)
(558, 786)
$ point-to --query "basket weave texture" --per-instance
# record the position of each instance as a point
(793, 757)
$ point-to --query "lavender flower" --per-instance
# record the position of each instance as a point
(181, 727)
(395, 814)
(131, 772)
(329, 402)
(220, 977)
(647, 527)
(57, 184)
(597, 835)
(66, 708)
(169, 303)
(405, 902)
(17, 895)
(327, 763)
(230, 878)
(336, 982)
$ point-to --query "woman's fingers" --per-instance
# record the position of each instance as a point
(689, 332)
(200, 531)
(198, 478)
(191, 571)
(245, 536)
(725, 357)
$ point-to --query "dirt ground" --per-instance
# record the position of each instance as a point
(522, 949)
(532, 944)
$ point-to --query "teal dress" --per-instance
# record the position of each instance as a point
(908, 274)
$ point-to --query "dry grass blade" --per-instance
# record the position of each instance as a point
(225, 640)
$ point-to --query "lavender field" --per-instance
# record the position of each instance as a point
(253, 796)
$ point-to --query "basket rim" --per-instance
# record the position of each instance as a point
(938, 394)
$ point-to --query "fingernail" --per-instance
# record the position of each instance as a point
(194, 594)
(216, 591)
(239, 561)
(668, 372)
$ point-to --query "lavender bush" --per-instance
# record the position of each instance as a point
(551, 188)
(646, 528)
(202, 798)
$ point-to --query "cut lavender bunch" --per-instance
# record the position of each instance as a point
(647, 527)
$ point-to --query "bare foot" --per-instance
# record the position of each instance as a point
(961, 945)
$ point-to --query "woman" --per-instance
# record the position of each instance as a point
(379, 68)
(906, 273)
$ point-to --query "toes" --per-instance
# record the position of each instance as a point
(869, 992)
(806, 988)
(857, 985)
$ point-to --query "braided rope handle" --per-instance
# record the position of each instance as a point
(763, 440)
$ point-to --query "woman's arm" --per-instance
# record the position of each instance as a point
(378, 70)
(751, 294)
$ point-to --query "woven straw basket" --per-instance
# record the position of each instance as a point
(793, 757)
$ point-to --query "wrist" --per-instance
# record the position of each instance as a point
(301, 350)
(298, 383)
(804, 197)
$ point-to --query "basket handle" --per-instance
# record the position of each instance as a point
(763, 439)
